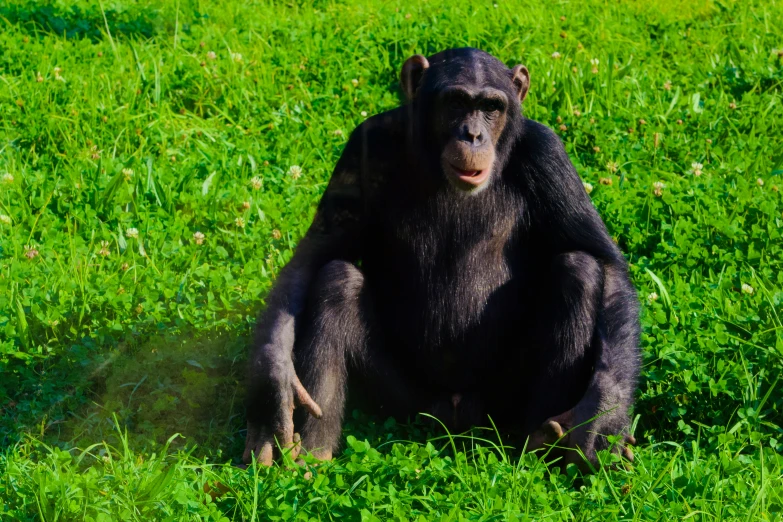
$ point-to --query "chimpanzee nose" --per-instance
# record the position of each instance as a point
(472, 135)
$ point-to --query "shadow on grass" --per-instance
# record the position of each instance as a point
(192, 385)
(188, 385)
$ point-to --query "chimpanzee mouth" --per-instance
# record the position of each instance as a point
(471, 177)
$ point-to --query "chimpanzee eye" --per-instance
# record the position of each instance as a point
(493, 106)
(458, 101)
(459, 104)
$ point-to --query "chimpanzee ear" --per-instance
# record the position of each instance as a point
(521, 79)
(410, 76)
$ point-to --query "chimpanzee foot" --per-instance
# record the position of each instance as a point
(551, 431)
(322, 454)
(627, 452)
(563, 434)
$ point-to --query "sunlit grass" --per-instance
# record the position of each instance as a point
(147, 200)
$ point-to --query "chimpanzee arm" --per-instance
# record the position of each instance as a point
(336, 233)
(563, 221)
(562, 217)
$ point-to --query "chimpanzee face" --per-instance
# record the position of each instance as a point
(468, 97)
(469, 121)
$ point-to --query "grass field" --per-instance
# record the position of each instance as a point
(149, 194)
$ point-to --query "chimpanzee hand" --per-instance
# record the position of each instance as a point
(575, 429)
(272, 424)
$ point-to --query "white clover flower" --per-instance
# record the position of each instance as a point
(256, 183)
(198, 237)
(104, 251)
(127, 174)
(236, 57)
(697, 168)
(132, 233)
(211, 55)
(364, 114)
(652, 297)
(556, 55)
(594, 61)
(588, 187)
(276, 234)
(667, 85)
(355, 82)
(8, 178)
(658, 187)
(6, 220)
(747, 289)
(760, 182)
(240, 222)
(295, 171)
(30, 251)
(612, 166)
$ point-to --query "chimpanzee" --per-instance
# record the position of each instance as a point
(455, 266)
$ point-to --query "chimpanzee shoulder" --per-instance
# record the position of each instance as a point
(557, 205)
(541, 147)
(380, 135)
(377, 152)
(540, 166)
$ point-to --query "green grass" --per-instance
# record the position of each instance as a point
(113, 342)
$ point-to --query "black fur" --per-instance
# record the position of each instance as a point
(512, 302)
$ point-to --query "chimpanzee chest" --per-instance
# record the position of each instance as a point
(447, 293)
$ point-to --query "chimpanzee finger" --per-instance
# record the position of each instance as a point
(304, 399)
(554, 428)
(630, 439)
(546, 435)
(250, 442)
(284, 435)
(283, 426)
(265, 453)
(295, 446)
(260, 445)
(628, 453)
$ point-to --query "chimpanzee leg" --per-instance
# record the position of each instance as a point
(587, 354)
(337, 336)
(567, 298)
(331, 336)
